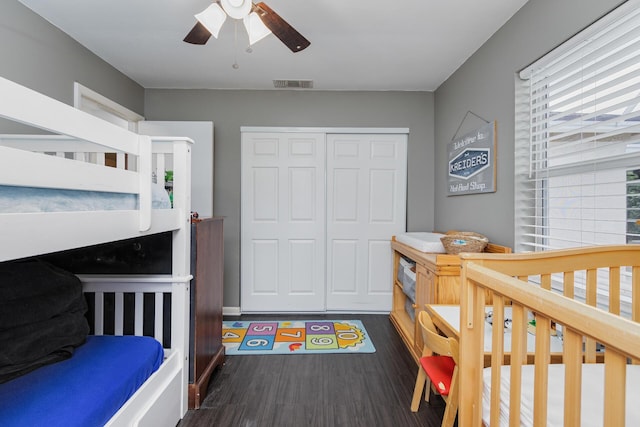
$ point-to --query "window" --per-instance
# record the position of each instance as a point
(578, 139)
(579, 144)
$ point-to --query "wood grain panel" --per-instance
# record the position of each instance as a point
(206, 305)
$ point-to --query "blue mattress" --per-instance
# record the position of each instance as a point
(85, 390)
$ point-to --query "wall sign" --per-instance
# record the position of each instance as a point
(472, 162)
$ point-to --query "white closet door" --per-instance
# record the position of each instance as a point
(366, 206)
(283, 222)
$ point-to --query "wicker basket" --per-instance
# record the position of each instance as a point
(455, 242)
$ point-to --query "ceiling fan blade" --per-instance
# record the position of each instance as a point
(198, 34)
(282, 30)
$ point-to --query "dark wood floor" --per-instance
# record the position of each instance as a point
(318, 390)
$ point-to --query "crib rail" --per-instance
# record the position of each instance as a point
(525, 281)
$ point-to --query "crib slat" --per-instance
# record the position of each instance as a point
(518, 357)
(614, 290)
(592, 287)
(497, 345)
(635, 293)
(472, 322)
(478, 320)
(572, 358)
(540, 388)
(497, 357)
(615, 375)
(519, 334)
(568, 284)
(635, 298)
(591, 299)
(545, 281)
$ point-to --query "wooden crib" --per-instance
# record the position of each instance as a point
(578, 293)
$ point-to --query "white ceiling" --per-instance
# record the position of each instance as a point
(410, 45)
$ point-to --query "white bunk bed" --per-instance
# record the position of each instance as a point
(68, 154)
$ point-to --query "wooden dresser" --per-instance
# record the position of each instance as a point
(437, 281)
(207, 265)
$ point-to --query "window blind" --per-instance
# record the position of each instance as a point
(581, 184)
(577, 154)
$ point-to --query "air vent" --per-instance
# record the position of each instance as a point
(293, 84)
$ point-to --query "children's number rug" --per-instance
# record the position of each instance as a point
(295, 337)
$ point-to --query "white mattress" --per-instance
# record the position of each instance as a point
(422, 241)
(592, 395)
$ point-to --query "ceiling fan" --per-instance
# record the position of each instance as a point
(259, 20)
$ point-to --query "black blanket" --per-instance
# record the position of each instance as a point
(42, 316)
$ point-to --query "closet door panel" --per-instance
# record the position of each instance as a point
(264, 276)
(265, 184)
(382, 196)
(283, 193)
(302, 266)
(366, 204)
(303, 197)
(345, 256)
(379, 268)
(345, 194)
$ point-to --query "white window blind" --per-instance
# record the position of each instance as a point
(578, 140)
(582, 139)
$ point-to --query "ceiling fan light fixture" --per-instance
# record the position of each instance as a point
(236, 9)
(260, 24)
(212, 18)
(255, 28)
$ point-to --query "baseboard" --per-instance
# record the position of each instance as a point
(235, 311)
(231, 311)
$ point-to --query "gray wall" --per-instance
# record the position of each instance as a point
(485, 86)
(36, 54)
(229, 110)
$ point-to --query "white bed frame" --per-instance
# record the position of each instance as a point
(587, 330)
(75, 144)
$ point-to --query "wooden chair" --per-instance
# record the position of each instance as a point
(438, 369)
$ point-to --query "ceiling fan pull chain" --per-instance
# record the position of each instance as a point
(235, 46)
